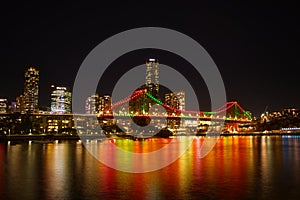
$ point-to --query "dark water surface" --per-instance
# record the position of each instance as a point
(238, 167)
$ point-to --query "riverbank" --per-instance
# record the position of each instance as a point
(254, 133)
(48, 137)
(92, 137)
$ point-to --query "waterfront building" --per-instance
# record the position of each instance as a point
(31, 90)
(171, 100)
(284, 113)
(60, 100)
(58, 124)
(96, 104)
(292, 112)
(92, 104)
(20, 104)
(105, 104)
(3, 106)
(139, 105)
(181, 98)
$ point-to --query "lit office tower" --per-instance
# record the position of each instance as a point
(105, 104)
(172, 100)
(152, 77)
(181, 98)
(20, 104)
(176, 100)
(92, 104)
(31, 90)
(60, 100)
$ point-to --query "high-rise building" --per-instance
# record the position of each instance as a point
(143, 103)
(172, 101)
(31, 90)
(96, 104)
(3, 106)
(152, 76)
(105, 104)
(140, 104)
(175, 100)
(20, 104)
(181, 98)
(92, 104)
(61, 99)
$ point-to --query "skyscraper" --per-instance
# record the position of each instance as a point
(106, 104)
(142, 104)
(96, 104)
(20, 104)
(92, 104)
(31, 90)
(152, 76)
(60, 100)
(181, 98)
(176, 100)
(172, 101)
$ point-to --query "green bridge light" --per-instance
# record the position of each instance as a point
(154, 99)
(248, 115)
(210, 113)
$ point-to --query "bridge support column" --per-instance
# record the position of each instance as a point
(232, 126)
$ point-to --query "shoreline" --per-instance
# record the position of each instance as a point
(91, 137)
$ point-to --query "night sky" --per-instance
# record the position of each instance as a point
(255, 46)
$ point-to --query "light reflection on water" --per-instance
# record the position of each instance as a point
(239, 167)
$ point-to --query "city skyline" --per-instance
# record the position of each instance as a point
(61, 96)
(254, 47)
(56, 104)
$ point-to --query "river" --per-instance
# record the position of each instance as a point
(238, 167)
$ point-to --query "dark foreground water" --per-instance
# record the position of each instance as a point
(238, 167)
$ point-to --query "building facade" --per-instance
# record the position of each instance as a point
(142, 104)
(105, 104)
(172, 100)
(61, 100)
(92, 104)
(20, 104)
(31, 91)
(3, 106)
(181, 98)
(96, 104)
(152, 77)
